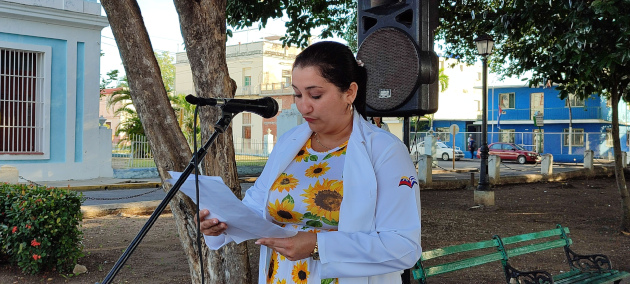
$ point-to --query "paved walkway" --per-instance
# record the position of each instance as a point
(107, 196)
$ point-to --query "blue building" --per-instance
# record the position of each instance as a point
(511, 111)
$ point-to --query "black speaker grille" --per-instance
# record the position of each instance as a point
(393, 66)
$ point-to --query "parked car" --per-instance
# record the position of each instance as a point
(442, 151)
(511, 151)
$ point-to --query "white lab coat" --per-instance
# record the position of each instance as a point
(379, 218)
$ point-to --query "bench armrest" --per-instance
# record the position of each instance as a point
(527, 277)
(587, 263)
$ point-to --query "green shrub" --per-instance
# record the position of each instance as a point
(39, 227)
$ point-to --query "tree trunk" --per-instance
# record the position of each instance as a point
(203, 26)
(621, 180)
(169, 146)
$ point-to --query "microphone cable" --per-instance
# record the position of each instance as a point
(196, 164)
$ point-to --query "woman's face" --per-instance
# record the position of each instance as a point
(321, 103)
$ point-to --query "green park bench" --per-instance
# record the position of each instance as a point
(595, 268)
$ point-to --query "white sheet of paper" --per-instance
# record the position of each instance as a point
(243, 223)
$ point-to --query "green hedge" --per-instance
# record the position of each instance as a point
(39, 227)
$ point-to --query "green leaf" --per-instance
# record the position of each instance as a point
(313, 223)
(309, 215)
(289, 199)
(313, 158)
(326, 158)
(330, 222)
(327, 280)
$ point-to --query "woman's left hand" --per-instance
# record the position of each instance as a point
(294, 248)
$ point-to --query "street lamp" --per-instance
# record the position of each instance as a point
(484, 48)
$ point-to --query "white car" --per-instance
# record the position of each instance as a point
(441, 151)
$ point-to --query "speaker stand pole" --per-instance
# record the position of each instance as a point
(406, 276)
(406, 130)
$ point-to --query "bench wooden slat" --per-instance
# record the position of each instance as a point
(594, 277)
(535, 247)
(457, 249)
(533, 236)
(575, 278)
(461, 264)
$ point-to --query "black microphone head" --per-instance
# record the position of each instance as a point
(271, 107)
(192, 99)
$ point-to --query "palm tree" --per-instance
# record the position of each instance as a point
(185, 116)
(131, 126)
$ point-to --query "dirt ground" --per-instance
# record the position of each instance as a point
(590, 208)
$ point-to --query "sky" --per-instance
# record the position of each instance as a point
(162, 23)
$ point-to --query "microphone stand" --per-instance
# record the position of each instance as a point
(219, 127)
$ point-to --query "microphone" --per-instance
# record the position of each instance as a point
(265, 107)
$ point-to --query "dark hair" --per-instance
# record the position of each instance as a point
(337, 65)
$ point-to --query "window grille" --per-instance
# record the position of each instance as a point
(507, 135)
(578, 137)
(21, 101)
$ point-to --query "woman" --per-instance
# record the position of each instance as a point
(346, 186)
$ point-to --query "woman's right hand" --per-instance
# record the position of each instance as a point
(210, 227)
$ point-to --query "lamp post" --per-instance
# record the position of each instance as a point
(483, 195)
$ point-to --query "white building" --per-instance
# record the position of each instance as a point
(260, 69)
(49, 90)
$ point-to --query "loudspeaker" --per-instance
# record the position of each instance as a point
(396, 45)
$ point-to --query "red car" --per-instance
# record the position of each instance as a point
(511, 151)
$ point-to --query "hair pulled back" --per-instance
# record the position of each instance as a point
(337, 65)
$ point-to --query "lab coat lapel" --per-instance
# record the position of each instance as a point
(359, 183)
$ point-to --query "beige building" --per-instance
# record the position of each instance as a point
(260, 69)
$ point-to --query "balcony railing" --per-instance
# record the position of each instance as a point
(274, 88)
(266, 89)
(561, 113)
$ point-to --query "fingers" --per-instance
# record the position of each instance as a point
(294, 248)
(210, 227)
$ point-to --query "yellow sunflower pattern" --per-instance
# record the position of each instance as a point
(283, 212)
(284, 182)
(273, 267)
(307, 196)
(300, 272)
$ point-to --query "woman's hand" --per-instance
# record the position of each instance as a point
(294, 248)
(210, 227)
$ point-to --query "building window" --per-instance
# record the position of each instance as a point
(507, 135)
(444, 134)
(247, 131)
(23, 95)
(574, 100)
(506, 100)
(247, 85)
(578, 137)
(609, 137)
(286, 78)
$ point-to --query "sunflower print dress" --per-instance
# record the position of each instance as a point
(306, 197)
